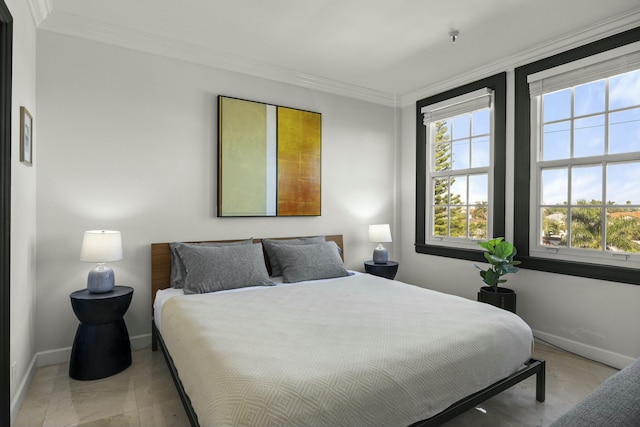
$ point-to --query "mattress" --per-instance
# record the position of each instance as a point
(359, 351)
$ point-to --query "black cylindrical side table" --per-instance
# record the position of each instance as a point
(387, 269)
(101, 347)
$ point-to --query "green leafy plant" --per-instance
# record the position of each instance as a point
(499, 253)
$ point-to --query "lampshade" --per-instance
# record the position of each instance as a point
(101, 246)
(379, 233)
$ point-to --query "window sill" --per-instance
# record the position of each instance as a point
(450, 252)
(582, 269)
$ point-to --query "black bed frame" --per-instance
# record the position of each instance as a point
(533, 366)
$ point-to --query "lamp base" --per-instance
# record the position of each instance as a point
(100, 280)
(380, 255)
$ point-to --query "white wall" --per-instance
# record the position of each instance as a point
(594, 318)
(23, 203)
(127, 141)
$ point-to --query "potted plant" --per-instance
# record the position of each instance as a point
(499, 254)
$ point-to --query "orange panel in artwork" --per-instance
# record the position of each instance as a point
(299, 153)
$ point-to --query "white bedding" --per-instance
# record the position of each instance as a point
(355, 351)
(163, 295)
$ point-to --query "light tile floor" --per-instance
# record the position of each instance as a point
(144, 396)
(569, 379)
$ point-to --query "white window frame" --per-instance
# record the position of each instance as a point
(448, 109)
(589, 69)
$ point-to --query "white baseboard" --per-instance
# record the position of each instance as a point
(62, 355)
(140, 341)
(54, 357)
(607, 357)
(23, 388)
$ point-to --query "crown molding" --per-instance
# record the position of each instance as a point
(48, 20)
(76, 26)
(39, 10)
(564, 43)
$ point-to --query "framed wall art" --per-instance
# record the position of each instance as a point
(26, 137)
(269, 159)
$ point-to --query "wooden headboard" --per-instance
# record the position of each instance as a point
(161, 260)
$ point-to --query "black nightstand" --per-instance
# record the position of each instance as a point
(388, 269)
(101, 347)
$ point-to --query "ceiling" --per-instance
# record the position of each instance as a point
(390, 52)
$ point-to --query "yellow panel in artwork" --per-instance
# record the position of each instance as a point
(242, 164)
(299, 155)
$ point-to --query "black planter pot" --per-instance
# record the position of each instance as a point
(505, 298)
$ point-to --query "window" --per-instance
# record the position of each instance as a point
(459, 139)
(460, 168)
(587, 163)
(578, 128)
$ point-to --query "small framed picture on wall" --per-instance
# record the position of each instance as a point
(26, 136)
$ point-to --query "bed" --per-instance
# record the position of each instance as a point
(318, 345)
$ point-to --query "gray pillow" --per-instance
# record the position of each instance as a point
(211, 269)
(177, 266)
(272, 256)
(310, 262)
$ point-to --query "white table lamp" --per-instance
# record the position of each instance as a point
(380, 233)
(101, 246)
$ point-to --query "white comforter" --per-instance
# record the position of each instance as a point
(358, 351)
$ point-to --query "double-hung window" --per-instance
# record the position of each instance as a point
(586, 164)
(459, 158)
(457, 154)
(580, 138)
